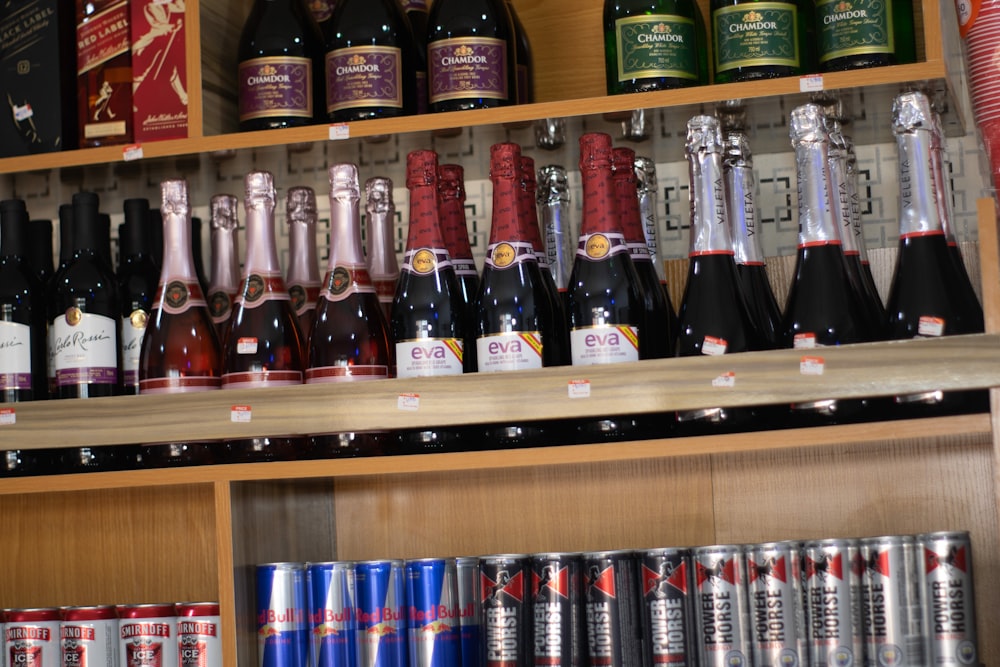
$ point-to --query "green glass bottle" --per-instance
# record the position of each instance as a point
(855, 34)
(760, 39)
(653, 45)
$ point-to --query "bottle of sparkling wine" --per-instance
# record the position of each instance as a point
(471, 55)
(350, 340)
(381, 241)
(39, 249)
(553, 198)
(525, 61)
(821, 308)
(224, 276)
(926, 297)
(371, 61)
(23, 357)
(645, 172)
(137, 283)
(451, 213)
(83, 312)
(863, 33)
(303, 267)
(744, 224)
(280, 72)
(760, 39)
(65, 255)
(263, 347)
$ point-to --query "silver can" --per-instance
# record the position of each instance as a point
(88, 636)
(147, 635)
(949, 599)
(721, 606)
(831, 589)
(775, 599)
(891, 602)
(467, 569)
(199, 642)
(31, 637)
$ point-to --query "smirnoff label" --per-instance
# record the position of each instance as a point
(32, 644)
(149, 642)
(606, 344)
(429, 356)
(15, 356)
(85, 348)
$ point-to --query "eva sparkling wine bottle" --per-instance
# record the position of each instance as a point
(224, 276)
(451, 212)
(138, 279)
(303, 268)
(381, 249)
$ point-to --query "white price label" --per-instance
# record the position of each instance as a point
(23, 112)
(240, 414)
(408, 402)
(811, 84)
(7, 416)
(579, 388)
(725, 380)
(246, 345)
(804, 341)
(811, 366)
(340, 131)
(133, 152)
(713, 346)
(930, 326)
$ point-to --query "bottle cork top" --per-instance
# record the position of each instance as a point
(451, 181)
(259, 184)
(595, 150)
(378, 194)
(344, 181)
(528, 180)
(912, 111)
(645, 173)
(224, 214)
(808, 124)
(704, 135)
(300, 205)
(553, 184)
(737, 150)
(421, 168)
(505, 161)
(175, 196)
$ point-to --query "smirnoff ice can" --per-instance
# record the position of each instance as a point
(891, 602)
(147, 635)
(831, 582)
(721, 606)
(88, 636)
(949, 599)
(199, 642)
(31, 637)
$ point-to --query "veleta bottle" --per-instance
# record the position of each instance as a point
(39, 249)
(714, 317)
(104, 67)
(821, 308)
(280, 72)
(350, 341)
(759, 39)
(553, 197)
(83, 312)
(303, 267)
(928, 297)
(451, 213)
(23, 357)
(471, 55)
(371, 61)
(744, 224)
(263, 347)
(863, 33)
(525, 61)
(657, 342)
(380, 249)
(137, 283)
(645, 172)
(653, 45)
(224, 276)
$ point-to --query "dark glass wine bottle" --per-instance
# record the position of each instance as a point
(303, 268)
(180, 352)
(381, 245)
(653, 45)
(23, 354)
(416, 12)
(321, 10)
(65, 255)
(553, 197)
(471, 55)
(428, 316)
(370, 62)
(137, 282)
(863, 33)
(350, 341)
(525, 61)
(928, 297)
(645, 172)
(83, 312)
(451, 213)
(280, 72)
(759, 39)
(263, 347)
(605, 305)
(744, 223)
(656, 340)
(39, 250)
(224, 276)
(821, 308)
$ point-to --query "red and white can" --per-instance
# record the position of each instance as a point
(147, 635)
(199, 643)
(88, 636)
(31, 637)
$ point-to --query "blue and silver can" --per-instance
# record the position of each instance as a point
(467, 569)
(332, 625)
(282, 624)
(380, 602)
(432, 613)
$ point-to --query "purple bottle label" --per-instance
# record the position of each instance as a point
(466, 67)
(364, 76)
(275, 86)
(414, 5)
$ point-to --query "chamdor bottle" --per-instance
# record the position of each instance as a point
(760, 39)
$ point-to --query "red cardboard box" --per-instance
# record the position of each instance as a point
(159, 67)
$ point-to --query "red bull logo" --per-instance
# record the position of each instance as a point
(381, 630)
(268, 631)
(325, 630)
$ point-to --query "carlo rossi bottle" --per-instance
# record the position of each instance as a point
(381, 241)
(303, 269)
(760, 39)
(138, 279)
(856, 34)
(224, 276)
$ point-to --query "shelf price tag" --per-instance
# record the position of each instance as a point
(811, 366)
(7, 416)
(340, 131)
(240, 414)
(22, 112)
(579, 388)
(408, 402)
(811, 84)
(727, 379)
(133, 152)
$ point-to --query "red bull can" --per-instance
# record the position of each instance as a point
(332, 623)
(31, 637)
(721, 606)
(612, 609)
(775, 597)
(667, 588)
(949, 600)
(504, 604)
(282, 609)
(831, 582)
(557, 610)
(199, 639)
(433, 613)
(381, 598)
(467, 572)
(147, 635)
(891, 601)
(88, 636)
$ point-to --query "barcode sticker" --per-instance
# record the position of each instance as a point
(340, 131)
(240, 414)
(930, 326)
(713, 346)
(7, 416)
(133, 152)
(246, 345)
(725, 380)
(23, 112)
(811, 365)
(408, 402)
(811, 84)
(804, 341)
(579, 388)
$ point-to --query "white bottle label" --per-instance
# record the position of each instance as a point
(607, 344)
(15, 356)
(86, 349)
(428, 356)
(514, 351)
(133, 329)
(930, 326)
(713, 346)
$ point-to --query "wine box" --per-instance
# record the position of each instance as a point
(37, 78)
(159, 70)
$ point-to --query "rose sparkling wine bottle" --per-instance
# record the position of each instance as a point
(451, 212)
(224, 275)
(263, 347)
(180, 350)
(350, 340)
(428, 315)
(928, 296)
(303, 268)
(138, 279)
(381, 246)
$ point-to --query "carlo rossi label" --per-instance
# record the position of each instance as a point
(467, 67)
